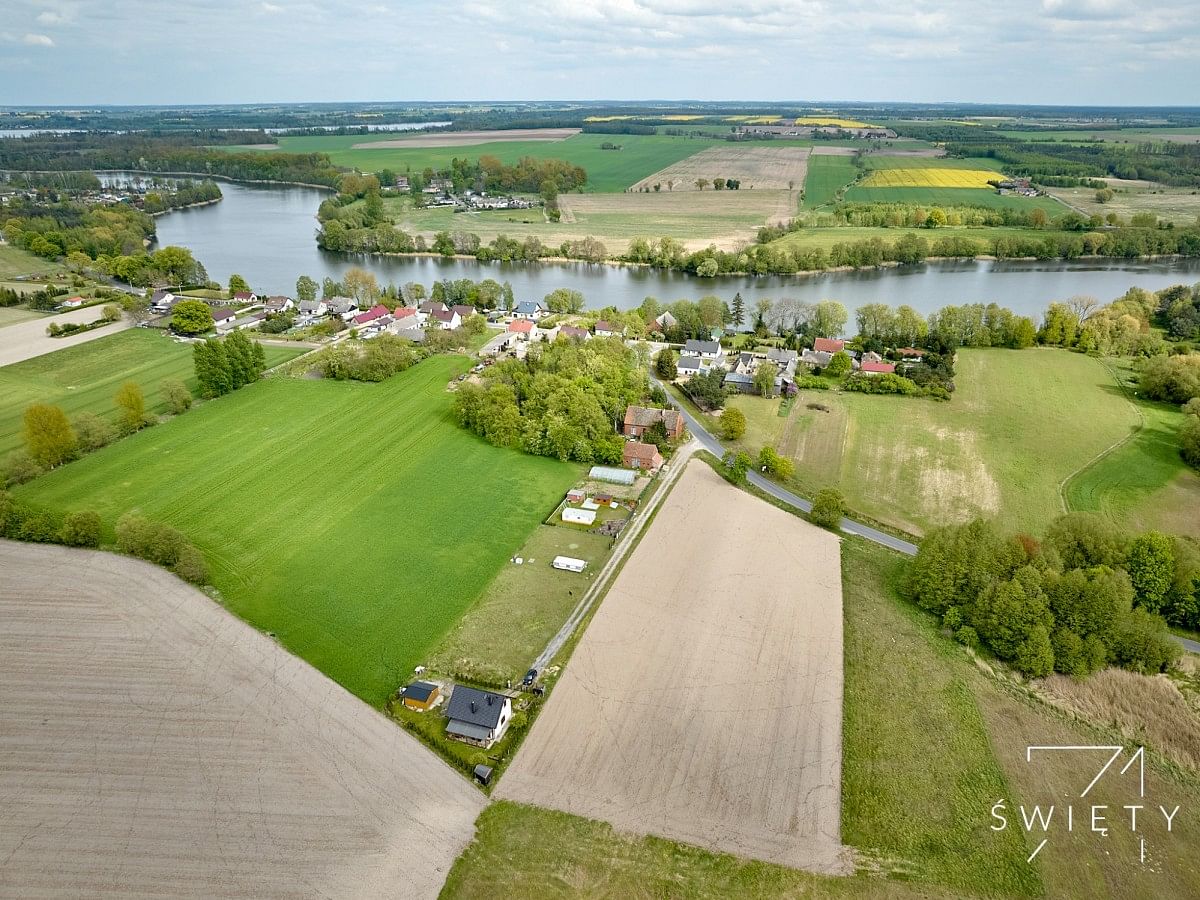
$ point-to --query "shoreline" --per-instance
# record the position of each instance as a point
(163, 212)
(200, 175)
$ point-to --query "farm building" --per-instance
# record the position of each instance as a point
(223, 316)
(640, 418)
(612, 475)
(641, 456)
(828, 345)
(568, 564)
(576, 495)
(578, 516)
(477, 717)
(420, 695)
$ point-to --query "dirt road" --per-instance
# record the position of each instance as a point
(704, 702)
(25, 340)
(151, 744)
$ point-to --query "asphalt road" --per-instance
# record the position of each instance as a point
(713, 446)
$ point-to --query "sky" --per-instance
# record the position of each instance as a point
(1072, 52)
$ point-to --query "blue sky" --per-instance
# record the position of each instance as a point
(1119, 52)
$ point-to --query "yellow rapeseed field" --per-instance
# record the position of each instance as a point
(931, 177)
(831, 120)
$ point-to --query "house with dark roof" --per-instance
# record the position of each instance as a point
(574, 333)
(829, 345)
(709, 350)
(607, 329)
(530, 309)
(161, 301)
(278, 304)
(477, 717)
(342, 307)
(639, 418)
(816, 358)
(245, 297)
(636, 455)
(463, 310)
(421, 695)
(223, 316)
(447, 320)
(692, 365)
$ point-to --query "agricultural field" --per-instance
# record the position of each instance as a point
(826, 176)
(949, 196)
(469, 138)
(371, 488)
(698, 219)
(84, 378)
(1181, 135)
(709, 693)
(608, 170)
(922, 177)
(917, 464)
(1171, 204)
(12, 315)
(774, 166)
(154, 744)
(14, 261)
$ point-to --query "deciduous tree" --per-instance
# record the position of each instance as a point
(49, 437)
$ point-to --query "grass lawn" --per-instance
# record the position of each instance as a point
(1019, 423)
(826, 176)
(15, 261)
(523, 607)
(1144, 483)
(608, 170)
(86, 377)
(11, 315)
(356, 521)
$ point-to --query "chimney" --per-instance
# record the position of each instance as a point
(472, 706)
(489, 699)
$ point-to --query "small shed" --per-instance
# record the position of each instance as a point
(483, 774)
(420, 695)
(576, 495)
(578, 516)
(612, 475)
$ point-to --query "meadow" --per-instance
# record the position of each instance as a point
(1172, 204)
(608, 170)
(14, 261)
(915, 464)
(84, 378)
(357, 522)
(826, 176)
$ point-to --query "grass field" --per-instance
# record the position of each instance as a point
(11, 315)
(696, 218)
(15, 261)
(826, 176)
(1178, 205)
(914, 464)
(356, 521)
(608, 170)
(86, 377)
(1143, 482)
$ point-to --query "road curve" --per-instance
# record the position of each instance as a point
(713, 446)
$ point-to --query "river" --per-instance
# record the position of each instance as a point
(266, 235)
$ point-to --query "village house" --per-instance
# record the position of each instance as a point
(73, 303)
(530, 309)
(446, 320)
(636, 455)
(693, 365)
(162, 301)
(574, 333)
(310, 311)
(786, 360)
(245, 297)
(377, 311)
(406, 319)
(706, 350)
(662, 323)
(477, 717)
(420, 695)
(342, 307)
(223, 316)
(463, 310)
(829, 345)
(376, 327)
(278, 304)
(250, 321)
(639, 418)
(877, 368)
(402, 182)
(607, 329)
(817, 358)
(429, 307)
(523, 327)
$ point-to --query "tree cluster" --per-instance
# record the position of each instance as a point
(226, 364)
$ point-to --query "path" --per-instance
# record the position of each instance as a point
(25, 340)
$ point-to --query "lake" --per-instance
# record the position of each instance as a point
(267, 235)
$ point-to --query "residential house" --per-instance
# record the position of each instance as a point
(707, 350)
(223, 316)
(447, 320)
(523, 327)
(816, 358)
(740, 381)
(378, 311)
(429, 307)
(420, 695)
(692, 365)
(250, 321)
(342, 307)
(574, 333)
(477, 717)
(877, 368)
(530, 309)
(411, 333)
(72, 303)
(636, 455)
(663, 323)
(786, 360)
(746, 364)
(245, 297)
(829, 345)
(548, 334)
(162, 301)
(639, 418)
(910, 353)
(406, 319)
(871, 356)
(376, 327)
(309, 311)
(608, 329)
(464, 310)
(402, 182)
(278, 304)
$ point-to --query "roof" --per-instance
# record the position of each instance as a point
(688, 362)
(375, 312)
(738, 378)
(529, 306)
(611, 473)
(817, 357)
(444, 316)
(309, 306)
(475, 707)
(420, 691)
(829, 345)
(910, 351)
(638, 450)
(523, 326)
(782, 356)
(666, 320)
(240, 295)
(277, 300)
(221, 314)
(696, 346)
(469, 730)
(878, 367)
(463, 310)
(572, 331)
(431, 306)
(602, 325)
(644, 417)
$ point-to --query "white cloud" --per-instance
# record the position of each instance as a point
(38, 40)
(49, 17)
(272, 8)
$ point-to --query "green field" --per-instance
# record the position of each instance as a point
(827, 237)
(826, 176)
(84, 378)
(608, 170)
(941, 196)
(356, 521)
(1019, 423)
(15, 261)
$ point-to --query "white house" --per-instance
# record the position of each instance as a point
(279, 304)
(162, 301)
(607, 329)
(707, 350)
(477, 717)
(222, 317)
(310, 311)
(447, 320)
(73, 303)
(578, 516)
(530, 309)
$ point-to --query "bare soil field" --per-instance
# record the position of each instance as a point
(757, 167)
(467, 138)
(151, 744)
(704, 702)
(25, 340)
(1173, 204)
(921, 153)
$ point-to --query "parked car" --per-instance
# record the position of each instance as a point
(530, 677)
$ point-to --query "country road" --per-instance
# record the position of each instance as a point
(713, 446)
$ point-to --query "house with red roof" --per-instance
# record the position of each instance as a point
(73, 303)
(637, 455)
(377, 311)
(877, 368)
(524, 327)
(829, 345)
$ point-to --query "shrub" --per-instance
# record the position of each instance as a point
(812, 383)
(21, 467)
(840, 365)
(733, 424)
(190, 565)
(37, 526)
(93, 432)
(829, 506)
(967, 637)
(147, 540)
(48, 434)
(131, 406)
(81, 529)
(179, 398)
(886, 383)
